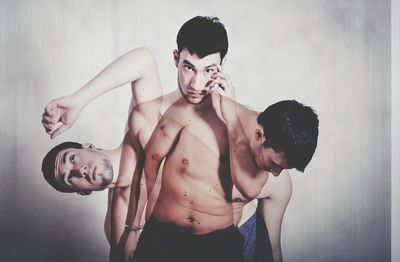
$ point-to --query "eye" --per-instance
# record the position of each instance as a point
(72, 159)
(209, 71)
(187, 68)
(69, 178)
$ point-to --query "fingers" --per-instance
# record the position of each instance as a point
(221, 80)
(50, 119)
(50, 108)
(61, 129)
(47, 126)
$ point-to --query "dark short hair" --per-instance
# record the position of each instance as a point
(49, 162)
(203, 35)
(292, 128)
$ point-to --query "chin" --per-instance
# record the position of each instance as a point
(191, 100)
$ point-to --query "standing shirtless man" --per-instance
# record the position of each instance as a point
(193, 219)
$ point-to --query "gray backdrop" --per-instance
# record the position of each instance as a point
(331, 54)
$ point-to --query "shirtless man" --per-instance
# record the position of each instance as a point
(67, 111)
(194, 218)
(138, 67)
(261, 146)
(194, 214)
(82, 168)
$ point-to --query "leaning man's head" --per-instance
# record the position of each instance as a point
(73, 167)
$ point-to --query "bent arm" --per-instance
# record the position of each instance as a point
(246, 176)
(137, 67)
(272, 209)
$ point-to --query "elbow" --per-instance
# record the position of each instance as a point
(145, 54)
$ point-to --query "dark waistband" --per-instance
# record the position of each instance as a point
(177, 230)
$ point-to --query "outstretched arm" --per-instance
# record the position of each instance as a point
(272, 208)
(136, 66)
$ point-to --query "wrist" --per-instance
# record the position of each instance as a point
(132, 228)
(80, 98)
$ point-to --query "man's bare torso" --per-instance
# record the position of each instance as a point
(196, 188)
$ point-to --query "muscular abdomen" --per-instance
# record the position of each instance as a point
(195, 192)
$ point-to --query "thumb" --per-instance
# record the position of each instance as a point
(60, 130)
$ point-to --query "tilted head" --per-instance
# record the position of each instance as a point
(74, 167)
(289, 136)
(202, 45)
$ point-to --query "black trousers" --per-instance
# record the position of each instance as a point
(165, 242)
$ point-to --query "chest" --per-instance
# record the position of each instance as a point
(209, 131)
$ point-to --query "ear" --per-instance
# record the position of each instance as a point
(223, 61)
(89, 146)
(176, 57)
(84, 193)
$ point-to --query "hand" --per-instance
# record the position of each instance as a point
(126, 247)
(64, 110)
(221, 83)
(223, 96)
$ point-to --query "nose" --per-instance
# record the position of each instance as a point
(276, 171)
(197, 82)
(84, 170)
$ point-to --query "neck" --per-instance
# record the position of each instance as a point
(115, 157)
(250, 121)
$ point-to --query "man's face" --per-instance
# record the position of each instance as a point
(271, 161)
(83, 170)
(194, 74)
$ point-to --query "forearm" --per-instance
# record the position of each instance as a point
(131, 223)
(128, 68)
(118, 214)
(277, 254)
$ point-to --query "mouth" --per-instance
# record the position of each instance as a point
(94, 174)
(194, 95)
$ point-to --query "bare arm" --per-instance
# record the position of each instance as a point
(158, 144)
(272, 208)
(136, 66)
(246, 175)
(120, 199)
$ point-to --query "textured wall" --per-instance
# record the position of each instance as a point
(395, 127)
(331, 54)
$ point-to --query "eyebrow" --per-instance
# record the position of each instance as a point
(65, 157)
(190, 64)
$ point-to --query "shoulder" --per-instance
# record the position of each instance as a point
(246, 114)
(144, 113)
